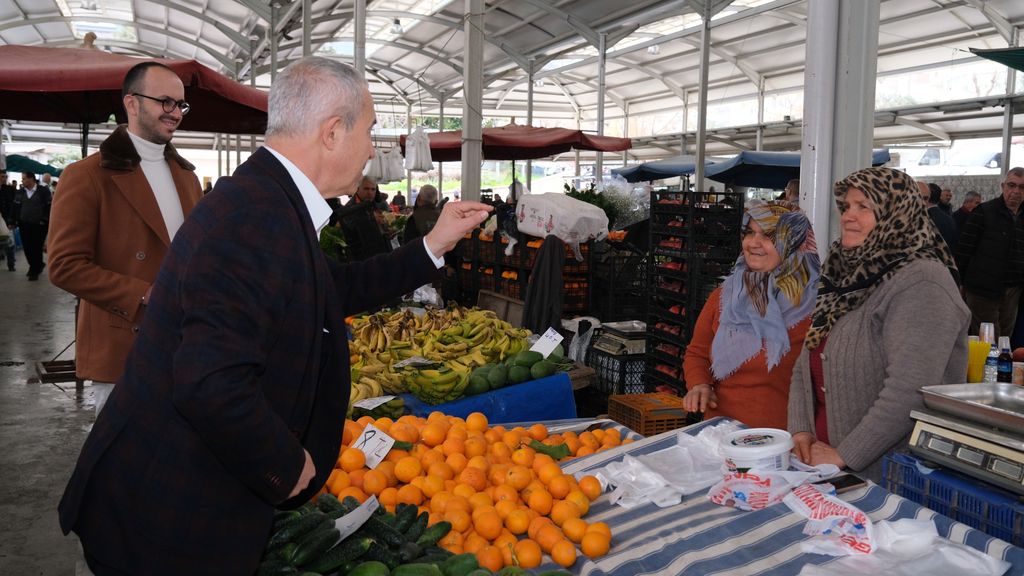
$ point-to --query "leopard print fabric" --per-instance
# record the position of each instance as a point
(903, 233)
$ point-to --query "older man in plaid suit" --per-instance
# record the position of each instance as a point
(234, 394)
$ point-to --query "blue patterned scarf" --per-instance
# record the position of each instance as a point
(759, 308)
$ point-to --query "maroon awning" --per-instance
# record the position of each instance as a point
(515, 142)
(84, 86)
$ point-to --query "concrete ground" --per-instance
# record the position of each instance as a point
(42, 426)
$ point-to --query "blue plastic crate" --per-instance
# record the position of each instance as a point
(992, 510)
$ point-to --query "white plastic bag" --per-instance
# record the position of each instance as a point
(392, 167)
(374, 169)
(417, 151)
(571, 220)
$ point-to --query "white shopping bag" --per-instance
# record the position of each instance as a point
(571, 220)
(417, 151)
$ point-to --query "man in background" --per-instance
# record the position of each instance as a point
(117, 213)
(7, 193)
(931, 194)
(971, 201)
(990, 257)
(946, 201)
(32, 217)
(362, 223)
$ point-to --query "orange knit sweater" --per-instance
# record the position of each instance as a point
(751, 394)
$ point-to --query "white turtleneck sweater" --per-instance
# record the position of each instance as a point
(158, 173)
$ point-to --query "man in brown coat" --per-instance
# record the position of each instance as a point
(117, 213)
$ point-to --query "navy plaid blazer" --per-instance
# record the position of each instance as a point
(240, 362)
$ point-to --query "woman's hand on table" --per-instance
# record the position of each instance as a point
(700, 398)
(802, 442)
(822, 453)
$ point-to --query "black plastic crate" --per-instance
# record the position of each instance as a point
(624, 374)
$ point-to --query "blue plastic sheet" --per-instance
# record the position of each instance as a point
(544, 399)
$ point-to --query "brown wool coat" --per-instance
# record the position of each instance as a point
(107, 241)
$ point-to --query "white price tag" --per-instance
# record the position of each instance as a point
(351, 522)
(371, 403)
(414, 361)
(547, 342)
(375, 444)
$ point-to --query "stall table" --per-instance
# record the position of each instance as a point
(699, 538)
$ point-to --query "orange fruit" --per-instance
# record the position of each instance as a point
(574, 529)
(580, 500)
(463, 490)
(540, 501)
(478, 462)
(395, 455)
(442, 470)
(452, 541)
(559, 486)
(388, 470)
(497, 473)
(517, 521)
(439, 501)
(572, 443)
(492, 435)
(473, 542)
(527, 553)
(453, 445)
(584, 451)
(588, 439)
(563, 510)
(338, 481)
(506, 492)
(363, 421)
(408, 468)
(476, 421)
(538, 431)
(548, 472)
(481, 500)
(536, 524)
(475, 447)
(532, 487)
(549, 535)
(388, 496)
(490, 557)
(524, 456)
(500, 452)
(433, 434)
(432, 485)
(512, 439)
(350, 433)
(459, 519)
(410, 495)
(540, 460)
(475, 477)
(353, 492)
(598, 434)
(519, 477)
(601, 527)
(595, 544)
(457, 461)
(505, 507)
(384, 423)
(356, 477)
(374, 482)
(506, 544)
(352, 459)
(488, 524)
(459, 503)
(431, 457)
(563, 553)
(591, 487)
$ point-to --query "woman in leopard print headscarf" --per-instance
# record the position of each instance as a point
(888, 320)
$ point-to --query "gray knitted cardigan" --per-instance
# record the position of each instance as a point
(910, 332)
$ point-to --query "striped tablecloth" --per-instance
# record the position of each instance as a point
(699, 538)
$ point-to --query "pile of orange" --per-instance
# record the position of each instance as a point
(506, 502)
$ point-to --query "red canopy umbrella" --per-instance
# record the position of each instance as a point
(84, 86)
(515, 142)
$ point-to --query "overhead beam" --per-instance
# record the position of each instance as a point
(729, 141)
(401, 95)
(747, 71)
(938, 133)
(241, 41)
(998, 21)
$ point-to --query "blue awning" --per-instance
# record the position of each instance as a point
(768, 169)
(660, 169)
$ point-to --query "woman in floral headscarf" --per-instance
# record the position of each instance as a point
(750, 332)
(888, 320)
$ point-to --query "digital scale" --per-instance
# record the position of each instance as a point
(623, 338)
(977, 429)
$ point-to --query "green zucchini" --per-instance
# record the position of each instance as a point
(371, 568)
(417, 570)
(460, 564)
(328, 503)
(346, 551)
(382, 554)
(383, 533)
(434, 533)
(409, 551)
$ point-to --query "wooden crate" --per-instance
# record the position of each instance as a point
(582, 376)
(647, 414)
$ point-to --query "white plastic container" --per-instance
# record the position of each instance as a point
(766, 448)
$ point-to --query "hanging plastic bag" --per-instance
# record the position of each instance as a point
(374, 169)
(417, 151)
(392, 167)
(572, 221)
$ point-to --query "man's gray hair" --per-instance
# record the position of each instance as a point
(310, 91)
(429, 195)
(1015, 171)
(971, 194)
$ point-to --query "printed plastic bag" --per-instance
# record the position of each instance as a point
(760, 488)
(571, 220)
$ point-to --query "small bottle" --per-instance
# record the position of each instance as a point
(1004, 369)
(992, 366)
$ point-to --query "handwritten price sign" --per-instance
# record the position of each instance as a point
(375, 444)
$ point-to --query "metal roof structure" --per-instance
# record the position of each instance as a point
(930, 87)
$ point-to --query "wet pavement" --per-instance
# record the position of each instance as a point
(42, 426)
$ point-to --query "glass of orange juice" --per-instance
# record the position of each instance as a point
(977, 353)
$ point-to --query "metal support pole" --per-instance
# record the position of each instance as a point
(238, 150)
(702, 116)
(529, 122)
(252, 80)
(359, 47)
(440, 165)
(472, 117)
(217, 144)
(760, 114)
(576, 152)
(408, 131)
(307, 26)
(1011, 85)
(227, 154)
(602, 58)
(272, 39)
(625, 131)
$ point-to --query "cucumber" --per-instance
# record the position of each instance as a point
(371, 568)
(402, 520)
(384, 533)
(460, 564)
(311, 549)
(297, 529)
(481, 572)
(417, 527)
(382, 554)
(417, 570)
(346, 551)
(349, 504)
(328, 503)
(274, 567)
(512, 571)
(431, 535)
(402, 445)
(542, 369)
(287, 552)
(409, 551)
(434, 555)
(527, 358)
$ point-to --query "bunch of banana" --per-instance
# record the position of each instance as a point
(370, 366)
(362, 389)
(436, 386)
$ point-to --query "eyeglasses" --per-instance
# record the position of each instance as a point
(168, 104)
(1014, 185)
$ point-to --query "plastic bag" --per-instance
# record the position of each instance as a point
(374, 169)
(417, 151)
(392, 166)
(571, 220)
(760, 488)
